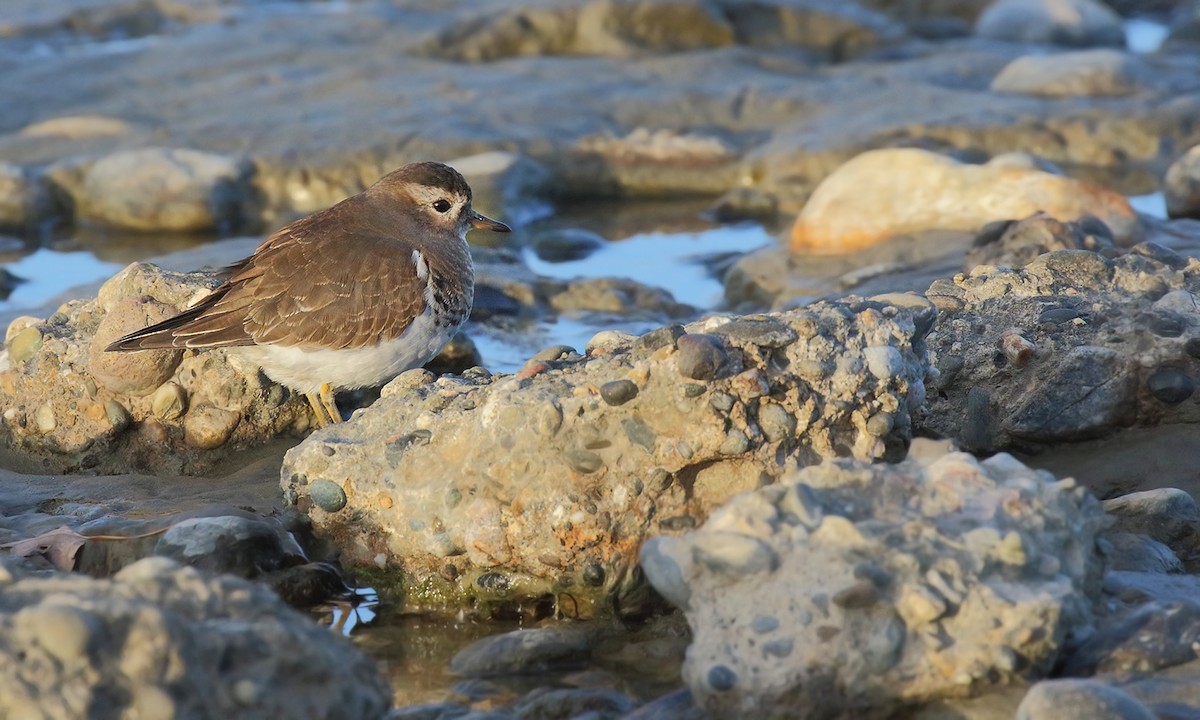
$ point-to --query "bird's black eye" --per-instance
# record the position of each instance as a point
(441, 205)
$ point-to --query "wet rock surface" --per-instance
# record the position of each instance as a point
(854, 571)
(527, 486)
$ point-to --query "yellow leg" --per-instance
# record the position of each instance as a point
(330, 405)
(318, 409)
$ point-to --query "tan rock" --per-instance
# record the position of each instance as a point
(885, 193)
(131, 373)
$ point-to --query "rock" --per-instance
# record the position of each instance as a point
(700, 357)
(1058, 22)
(23, 201)
(505, 185)
(242, 546)
(1015, 244)
(1097, 360)
(860, 204)
(1144, 638)
(1085, 73)
(523, 652)
(830, 30)
(1168, 515)
(475, 492)
(598, 27)
(139, 373)
(875, 563)
(596, 703)
(157, 639)
(1080, 700)
(1181, 186)
(164, 412)
(166, 189)
(566, 244)
(1138, 553)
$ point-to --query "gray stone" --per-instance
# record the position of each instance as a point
(700, 357)
(1080, 700)
(618, 392)
(1073, 23)
(523, 652)
(231, 544)
(1168, 515)
(1086, 73)
(328, 495)
(1146, 637)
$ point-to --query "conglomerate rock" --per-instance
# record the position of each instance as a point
(851, 589)
(542, 485)
(158, 640)
(1072, 346)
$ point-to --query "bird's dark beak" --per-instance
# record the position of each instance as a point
(482, 222)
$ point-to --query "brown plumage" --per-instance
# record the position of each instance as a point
(381, 276)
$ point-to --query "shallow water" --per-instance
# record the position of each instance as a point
(1143, 35)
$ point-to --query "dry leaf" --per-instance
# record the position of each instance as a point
(59, 546)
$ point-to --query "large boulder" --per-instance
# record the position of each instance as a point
(158, 640)
(1072, 346)
(853, 589)
(881, 194)
(1059, 22)
(528, 487)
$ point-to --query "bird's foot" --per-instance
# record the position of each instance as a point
(324, 407)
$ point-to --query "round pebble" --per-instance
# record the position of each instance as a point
(493, 582)
(552, 353)
(24, 345)
(1170, 385)
(721, 678)
(593, 574)
(721, 401)
(862, 594)
(763, 624)
(639, 433)
(169, 401)
(776, 422)
(1059, 315)
(1165, 324)
(663, 572)
(763, 332)
(44, 419)
(618, 392)
(665, 336)
(699, 356)
(118, 416)
(585, 461)
(208, 428)
(131, 373)
(327, 495)
(880, 424)
(63, 632)
(735, 443)
(1192, 347)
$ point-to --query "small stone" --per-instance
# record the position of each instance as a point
(1170, 385)
(661, 337)
(327, 495)
(607, 342)
(62, 631)
(44, 419)
(919, 605)
(1059, 315)
(763, 332)
(493, 582)
(618, 392)
(169, 401)
(208, 428)
(549, 420)
(131, 373)
(763, 624)
(691, 390)
(585, 461)
(118, 416)
(776, 422)
(1164, 255)
(526, 651)
(593, 575)
(1192, 347)
(871, 572)
(639, 433)
(862, 594)
(699, 356)
(780, 648)
(24, 345)
(721, 678)
(662, 570)
(733, 554)
(552, 353)
(799, 504)
(883, 361)
(735, 443)
(880, 424)
(1166, 324)
(721, 401)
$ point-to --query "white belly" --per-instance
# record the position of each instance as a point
(306, 370)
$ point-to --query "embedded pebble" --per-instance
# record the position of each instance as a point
(209, 427)
(552, 353)
(734, 554)
(585, 461)
(169, 401)
(327, 495)
(63, 632)
(721, 678)
(862, 594)
(721, 401)
(880, 424)
(776, 422)
(131, 373)
(735, 443)
(117, 415)
(883, 361)
(44, 418)
(1170, 385)
(639, 432)
(24, 345)
(763, 332)
(618, 392)
(1072, 699)
(665, 336)
(699, 356)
